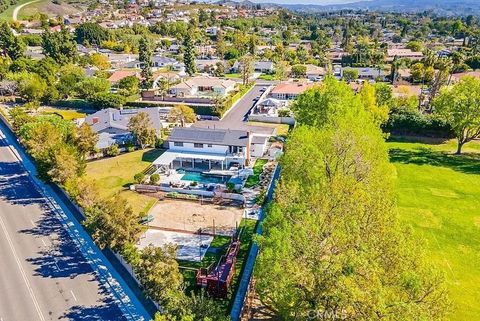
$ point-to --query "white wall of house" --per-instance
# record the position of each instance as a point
(257, 150)
(206, 148)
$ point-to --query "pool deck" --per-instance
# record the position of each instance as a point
(173, 176)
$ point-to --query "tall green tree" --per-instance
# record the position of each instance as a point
(332, 248)
(246, 68)
(157, 271)
(90, 33)
(460, 107)
(113, 224)
(85, 140)
(10, 46)
(60, 46)
(189, 55)
(145, 54)
(141, 127)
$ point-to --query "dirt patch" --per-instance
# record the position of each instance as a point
(193, 216)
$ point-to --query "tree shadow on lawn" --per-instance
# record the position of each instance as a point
(151, 155)
(466, 163)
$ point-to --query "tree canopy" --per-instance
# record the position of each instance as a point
(332, 246)
(460, 107)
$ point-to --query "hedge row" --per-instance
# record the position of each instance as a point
(414, 123)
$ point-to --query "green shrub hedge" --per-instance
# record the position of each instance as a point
(412, 122)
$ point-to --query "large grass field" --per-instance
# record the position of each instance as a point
(438, 194)
(7, 14)
(114, 175)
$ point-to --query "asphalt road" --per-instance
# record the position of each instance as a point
(43, 274)
(237, 116)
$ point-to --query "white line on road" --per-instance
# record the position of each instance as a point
(33, 223)
(22, 271)
(44, 244)
(73, 295)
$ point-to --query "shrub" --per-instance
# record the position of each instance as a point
(139, 177)
(107, 100)
(412, 122)
(112, 150)
(154, 178)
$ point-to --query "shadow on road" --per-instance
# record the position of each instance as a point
(15, 186)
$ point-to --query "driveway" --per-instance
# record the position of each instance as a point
(237, 116)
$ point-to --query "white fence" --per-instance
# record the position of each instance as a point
(272, 119)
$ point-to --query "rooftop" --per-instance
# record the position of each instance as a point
(226, 137)
(291, 88)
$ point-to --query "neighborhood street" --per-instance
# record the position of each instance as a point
(44, 274)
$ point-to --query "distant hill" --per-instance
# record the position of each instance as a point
(441, 7)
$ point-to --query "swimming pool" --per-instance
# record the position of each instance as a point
(202, 178)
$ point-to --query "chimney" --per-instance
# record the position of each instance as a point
(247, 150)
(95, 120)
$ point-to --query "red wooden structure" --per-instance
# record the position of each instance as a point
(217, 279)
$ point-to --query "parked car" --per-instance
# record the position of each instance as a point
(146, 219)
(207, 117)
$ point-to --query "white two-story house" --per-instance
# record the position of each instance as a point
(205, 148)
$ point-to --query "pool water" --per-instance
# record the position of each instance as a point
(202, 179)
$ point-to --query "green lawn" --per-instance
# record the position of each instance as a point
(265, 77)
(114, 175)
(7, 14)
(438, 195)
(67, 114)
(233, 76)
(254, 179)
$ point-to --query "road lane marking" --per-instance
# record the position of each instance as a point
(44, 244)
(73, 295)
(33, 223)
(22, 271)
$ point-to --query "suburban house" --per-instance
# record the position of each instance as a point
(157, 62)
(403, 53)
(112, 124)
(207, 148)
(258, 66)
(205, 65)
(118, 75)
(269, 106)
(315, 73)
(203, 86)
(369, 73)
(289, 90)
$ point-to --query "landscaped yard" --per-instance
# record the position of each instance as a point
(266, 77)
(221, 241)
(233, 76)
(67, 114)
(438, 195)
(113, 175)
(254, 179)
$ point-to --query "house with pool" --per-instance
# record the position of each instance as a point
(206, 149)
